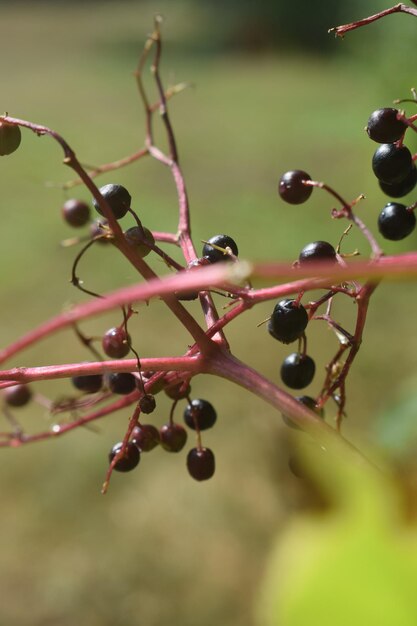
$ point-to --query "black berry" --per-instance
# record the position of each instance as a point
(395, 222)
(145, 437)
(297, 370)
(121, 383)
(191, 295)
(147, 404)
(88, 384)
(10, 138)
(288, 321)
(117, 197)
(201, 463)
(17, 395)
(292, 189)
(129, 460)
(384, 127)
(392, 164)
(178, 391)
(76, 213)
(398, 190)
(140, 240)
(309, 403)
(200, 415)
(317, 251)
(222, 241)
(173, 437)
(116, 343)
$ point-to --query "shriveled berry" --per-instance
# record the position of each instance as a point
(117, 197)
(116, 343)
(178, 391)
(221, 241)
(121, 383)
(297, 370)
(89, 384)
(292, 189)
(310, 403)
(201, 463)
(140, 240)
(173, 437)
(17, 395)
(76, 213)
(395, 222)
(392, 164)
(200, 415)
(317, 251)
(145, 437)
(398, 190)
(10, 138)
(384, 126)
(288, 321)
(147, 404)
(129, 460)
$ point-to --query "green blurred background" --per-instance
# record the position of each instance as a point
(273, 91)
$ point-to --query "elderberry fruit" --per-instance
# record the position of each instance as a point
(384, 126)
(178, 391)
(116, 343)
(297, 370)
(201, 463)
(147, 404)
(129, 460)
(292, 189)
(117, 197)
(317, 251)
(222, 241)
(288, 321)
(173, 437)
(191, 295)
(395, 221)
(10, 138)
(121, 383)
(145, 437)
(17, 395)
(140, 239)
(398, 190)
(392, 164)
(76, 213)
(200, 415)
(89, 384)
(310, 403)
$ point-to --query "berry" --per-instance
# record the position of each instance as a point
(297, 370)
(140, 239)
(288, 321)
(178, 391)
(291, 187)
(392, 164)
(398, 190)
(145, 437)
(310, 403)
(222, 241)
(17, 395)
(88, 384)
(147, 404)
(76, 213)
(201, 463)
(200, 415)
(317, 251)
(10, 137)
(117, 197)
(121, 383)
(116, 343)
(384, 127)
(191, 295)
(395, 222)
(173, 437)
(129, 460)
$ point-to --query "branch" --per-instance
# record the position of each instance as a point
(340, 31)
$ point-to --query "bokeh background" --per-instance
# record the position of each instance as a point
(272, 91)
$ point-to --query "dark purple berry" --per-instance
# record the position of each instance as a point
(117, 197)
(178, 391)
(147, 404)
(76, 213)
(145, 437)
(317, 251)
(17, 395)
(116, 343)
(292, 189)
(141, 240)
(10, 138)
(200, 415)
(129, 460)
(201, 463)
(288, 321)
(392, 164)
(173, 437)
(395, 222)
(384, 127)
(310, 403)
(191, 295)
(222, 241)
(121, 383)
(297, 370)
(398, 190)
(89, 384)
